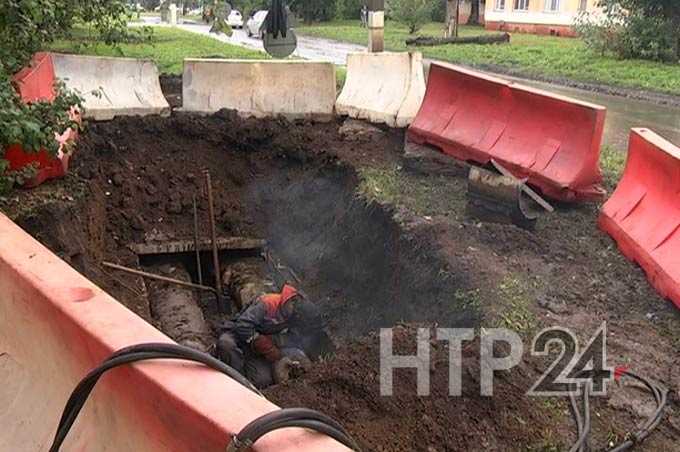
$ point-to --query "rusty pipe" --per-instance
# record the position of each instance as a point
(196, 244)
(213, 237)
(157, 277)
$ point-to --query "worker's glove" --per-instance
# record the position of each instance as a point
(287, 368)
(264, 345)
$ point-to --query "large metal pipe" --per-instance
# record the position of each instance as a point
(177, 310)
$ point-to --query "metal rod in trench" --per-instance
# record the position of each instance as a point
(213, 237)
(144, 274)
(198, 250)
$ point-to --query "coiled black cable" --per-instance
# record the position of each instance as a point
(292, 417)
(660, 394)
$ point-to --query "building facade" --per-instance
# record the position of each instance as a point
(549, 17)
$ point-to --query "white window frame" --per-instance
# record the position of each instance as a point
(517, 5)
(583, 5)
(499, 5)
(549, 4)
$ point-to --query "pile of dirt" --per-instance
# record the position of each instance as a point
(347, 388)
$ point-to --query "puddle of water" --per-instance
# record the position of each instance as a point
(624, 114)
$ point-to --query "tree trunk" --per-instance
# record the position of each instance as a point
(474, 13)
(483, 39)
(452, 10)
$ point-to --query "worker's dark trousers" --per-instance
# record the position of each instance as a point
(255, 368)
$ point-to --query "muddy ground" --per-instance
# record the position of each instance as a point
(376, 246)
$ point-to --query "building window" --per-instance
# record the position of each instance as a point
(583, 5)
(552, 5)
(522, 5)
(500, 5)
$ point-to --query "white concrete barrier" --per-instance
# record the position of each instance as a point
(127, 86)
(294, 89)
(383, 87)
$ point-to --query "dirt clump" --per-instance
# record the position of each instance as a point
(347, 388)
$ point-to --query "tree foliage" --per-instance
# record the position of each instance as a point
(314, 10)
(648, 29)
(26, 26)
(412, 13)
(349, 9)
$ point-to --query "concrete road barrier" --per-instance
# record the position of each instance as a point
(35, 82)
(383, 87)
(55, 326)
(294, 89)
(552, 140)
(642, 214)
(126, 86)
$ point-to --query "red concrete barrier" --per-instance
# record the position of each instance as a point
(36, 82)
(552, 140)
(55, 325)
(643, 213)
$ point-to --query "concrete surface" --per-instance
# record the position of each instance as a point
(260, 88)
(124, 86)
(383, 87)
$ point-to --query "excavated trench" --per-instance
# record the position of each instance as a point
(300, 186)
(295, 185)
(272, 180)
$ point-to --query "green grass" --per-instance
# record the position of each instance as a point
(513, 307)
(424, 196)
(168, 48)
(613, 161)
(527, 55)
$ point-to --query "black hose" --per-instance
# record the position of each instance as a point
(129, 355)
(660, 394)
(292, 417)
(255, 427)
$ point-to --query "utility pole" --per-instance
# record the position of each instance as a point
(376, 25)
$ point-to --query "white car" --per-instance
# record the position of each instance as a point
(235, 20)
(254, 24)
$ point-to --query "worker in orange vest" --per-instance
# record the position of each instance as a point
(268, 339)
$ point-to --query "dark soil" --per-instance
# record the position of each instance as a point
(346, 388)
(376, 246)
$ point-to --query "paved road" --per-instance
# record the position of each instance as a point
(622, 113)
(308, 48)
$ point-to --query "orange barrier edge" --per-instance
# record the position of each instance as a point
(183, 406)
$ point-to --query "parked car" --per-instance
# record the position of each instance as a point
(235, 20)
(254, 24)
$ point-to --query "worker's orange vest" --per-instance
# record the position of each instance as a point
(274, 301)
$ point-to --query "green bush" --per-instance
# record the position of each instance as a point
(349, 9)
(32, 125)
(26, 26)
(412, 13)
(438, 11)
(649, 38)
(629, 32)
